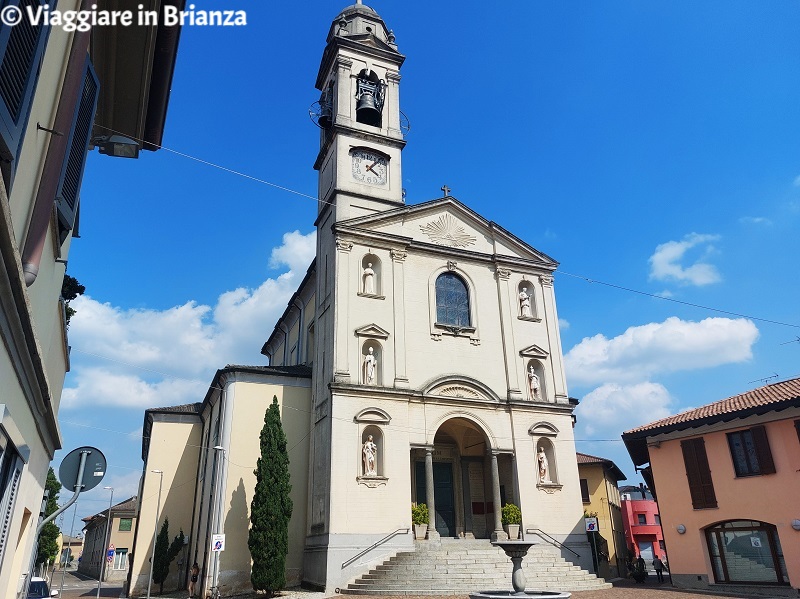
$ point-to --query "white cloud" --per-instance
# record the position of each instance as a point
(96, 385)
(122, 355)
(665, 263)
(296, 252)
(755, 220)
(563, 324)
(611, 408)
(669, 346)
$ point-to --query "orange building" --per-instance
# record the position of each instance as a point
(727, 480)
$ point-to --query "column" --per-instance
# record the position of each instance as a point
(550, 317)
(399, 305)
(498, 534)
(430, 494)
(507, 334)
(341, 312)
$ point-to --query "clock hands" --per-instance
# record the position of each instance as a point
(370, 169)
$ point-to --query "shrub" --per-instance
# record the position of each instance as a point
(419, 514)
(511, 514)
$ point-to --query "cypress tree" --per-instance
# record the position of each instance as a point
(271, 507)
(165, 553)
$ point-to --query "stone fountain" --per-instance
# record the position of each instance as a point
(517, 550)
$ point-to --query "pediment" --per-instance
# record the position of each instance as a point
(368, 39)
(449, 224)
(459, 387)
(373, 415)
(543, 429)
(372, 330)
(533, 351)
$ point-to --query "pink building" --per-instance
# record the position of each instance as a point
(727, 479)
(642, 524)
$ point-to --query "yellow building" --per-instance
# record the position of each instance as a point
(112, 547)
(61, 94)
(598, 479)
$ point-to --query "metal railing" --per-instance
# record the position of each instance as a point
(374, 545)
(549, 539)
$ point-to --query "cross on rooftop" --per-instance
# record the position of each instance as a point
(446, 190)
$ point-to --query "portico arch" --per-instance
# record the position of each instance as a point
(459, 473)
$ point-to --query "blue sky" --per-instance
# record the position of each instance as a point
(651, 145)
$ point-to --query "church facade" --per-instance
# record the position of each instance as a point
(419, 361)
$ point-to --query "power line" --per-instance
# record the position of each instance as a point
(677, 301)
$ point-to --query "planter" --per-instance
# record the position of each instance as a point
(420, 530)
(512, 530)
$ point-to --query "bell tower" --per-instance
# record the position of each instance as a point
(359, 160)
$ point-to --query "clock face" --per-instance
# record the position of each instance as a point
(369, 167)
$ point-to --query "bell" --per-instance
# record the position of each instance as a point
(367, 110)
(325, 115)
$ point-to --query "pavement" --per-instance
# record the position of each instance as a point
(77, 585)
(623, 589)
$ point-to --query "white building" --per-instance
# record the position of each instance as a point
(424, 329)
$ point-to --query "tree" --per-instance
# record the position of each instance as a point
(164, 554)
(271, 507)
(48, 538)
(70, 289)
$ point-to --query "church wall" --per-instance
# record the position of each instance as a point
(557, 509)
(250, 402)
(174, 449)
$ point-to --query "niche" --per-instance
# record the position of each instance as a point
(371, 363)
(371, 276)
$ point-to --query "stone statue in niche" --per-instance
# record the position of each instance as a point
(370, 451)
(525, 304)
(370, 367)
(544, 467)
(369, 279)
(534, 383)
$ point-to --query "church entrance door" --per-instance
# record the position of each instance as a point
(443, 496)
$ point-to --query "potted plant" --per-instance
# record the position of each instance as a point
(420, 519)
(512, 518)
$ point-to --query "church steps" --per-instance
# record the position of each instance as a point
(461, 566)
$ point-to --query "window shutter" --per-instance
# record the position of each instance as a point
(698, 474)
(765, 463)
(21, 48)
(69, 183)
(797, 428)
(9, 498)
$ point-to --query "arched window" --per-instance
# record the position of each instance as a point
(746, 551)
(452, 300)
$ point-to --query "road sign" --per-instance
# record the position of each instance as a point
(591, 524)
(217, 543)
(110, 556)
(93, 472)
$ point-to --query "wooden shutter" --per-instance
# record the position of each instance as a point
(765, 463)
(69, 184)
(698, 473)
(21, 48)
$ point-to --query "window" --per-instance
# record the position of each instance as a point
(698, 474)
(21, 48)
(657, 519)
(585, 490)
(121, 559)
(642, 518)
(750, 452)
(662, 546)
(452, 300)
(746, 551)
(125, 524)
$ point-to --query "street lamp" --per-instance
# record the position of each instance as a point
(106, 537)
(155, 530)
(217, 516)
